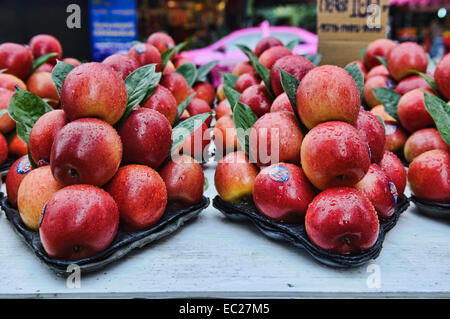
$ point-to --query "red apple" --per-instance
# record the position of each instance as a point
(281, 103)
(86, 151)
(334, 154)
(373, 82)
(78, 222)
(234, 177)
(296, 65)
(73, 61)
(17, 147)
(381, 48)
(410, 83)
(378, 110)
(163, 101)
(361, 66)
(429, 176)
(243, 67)
(41, 84)
(225, 136)
(43, 134)
(327, 93)
(3, 149)
(282, 192)
(372, 130)
(199, 106)
(380, 190)
(46, 67)
(7, 124)
(412, 112)
(140, 194)
(16, 174)
(9, 81)
(177, 173)
(395, 137)
(16, 59)
(423, 140)
(147, 138)
(406, 57)
(442, 76)
(177, 85)
(196, 145)
(145, 54)
(43, 44)
(393, 167)
(246, 80)
(342, 220)
(272, 54)
(266, 43)
(219, 92)
(222, 109)
(378, 70)
(205, 91)
(94, 90)
(123, 64)
(162, 41)
(257, 98)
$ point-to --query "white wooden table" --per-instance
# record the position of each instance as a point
(214, 257)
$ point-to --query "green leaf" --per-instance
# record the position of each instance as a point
(202, 71)
(183, 130)
(165, 57)
(30, 158)
(389, 98)
(363, 54)
(382, 61)
(188, 71)
(248, 52)
(41, 60)
(290, 85)
(229, 79)
(59, 73)
(315, 58)
(26, 108)
(181, 46)
(231, 95)
(427, 79)
(183, 105)
(243, 118)
(358, 76)
(440, 112)
(292, 44)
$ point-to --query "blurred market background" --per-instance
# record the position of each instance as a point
(203, 22)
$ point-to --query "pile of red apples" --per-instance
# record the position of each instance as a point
(97, 171)
(326, 162)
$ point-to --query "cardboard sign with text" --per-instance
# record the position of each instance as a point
(346, 26)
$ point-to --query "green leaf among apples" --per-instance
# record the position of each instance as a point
(183, 130)
(358, 76)
(243, 118)
(389, 98)
(183, 105)
(315, 58)
(440, 112)
(430, 81)
(41, 60)
(59, 73)
(383, 61)
(290, 85)
(231, 95)
(189, 72)
(229, 79)
(165, 56)
(291, 44)
(203, 71)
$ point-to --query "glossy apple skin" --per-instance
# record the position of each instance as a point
(361, 66)
(17, 147)
(234, 177)
(296, 65)
(395, 137)
(412, 112)
(429, 176)
(46, 67)
(199, 106)
(41, 84)
(393, 167)
(272, 54)
(94, 90)
(219, 93)
(257, 98)
(243, 67)
(177, 85)
(180, 60)
(3, 149)
(86, 151)
(327, 93)
(334, 154)
(281, 103)
(246, 80)
(140, 194)
(147, 138)
(380, 47)
(123, 64)
(373, 82)
(372, 130)
(378, 110)
(7, 124)
(282, 192)
(205, 91)
(225, 136)
(9, 81)
(196, 145)
(341, 220)
(410, 83)
(34, 191)
(79, 221)
(222, 109)
(43, 134)
(442, 76)
(423, 140)
(378, 70)
(163, 101)
(266, 43)
(43, 44)
(16, 58)
(380, 190)
(16, 174)
(280, 128)
(145, 53)
(177, 173)
(73, 61)
(405, 57)
(162, 41)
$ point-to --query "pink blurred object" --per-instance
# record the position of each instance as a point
(418, 3)
(227, 54)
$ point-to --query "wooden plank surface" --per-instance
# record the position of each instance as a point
(214, 257)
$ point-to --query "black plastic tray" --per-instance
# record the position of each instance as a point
(4, 168)
(296, 234)
(432, 209)
(122, 244)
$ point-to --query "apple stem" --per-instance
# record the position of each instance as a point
(77, 248)
(346, 240)
(73, 173)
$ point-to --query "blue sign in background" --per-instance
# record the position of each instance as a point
(113, 27)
